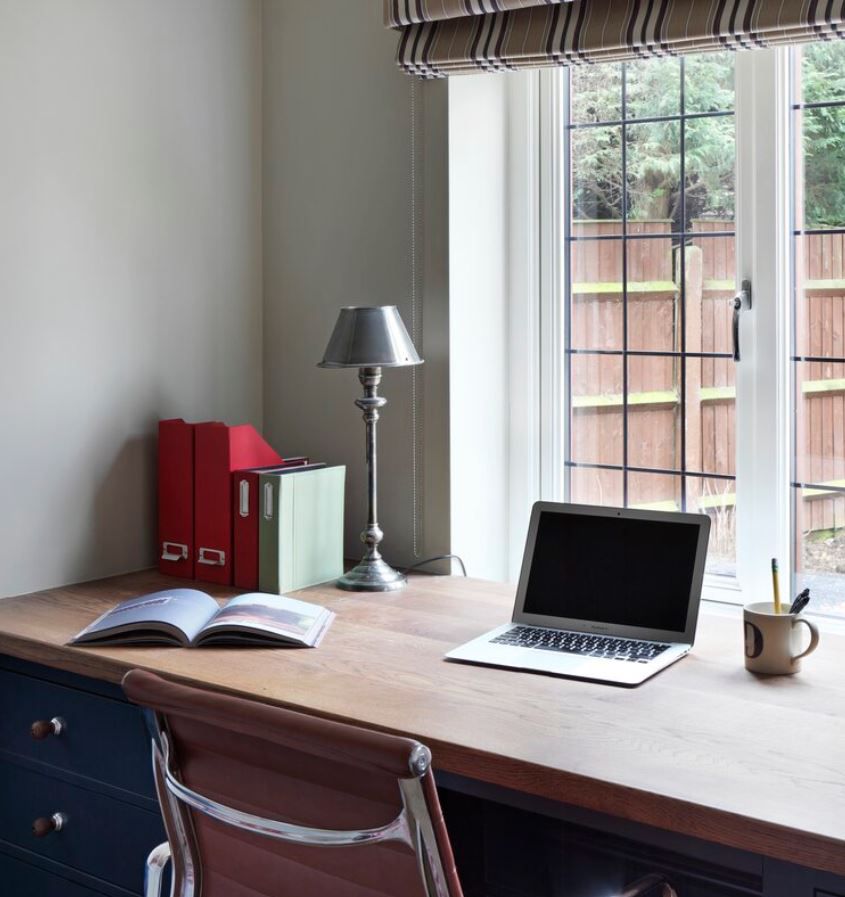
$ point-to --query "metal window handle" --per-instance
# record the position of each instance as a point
(741, 302)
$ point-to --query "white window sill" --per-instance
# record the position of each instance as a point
(727, 601)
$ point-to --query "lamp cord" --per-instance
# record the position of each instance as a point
(439, 557)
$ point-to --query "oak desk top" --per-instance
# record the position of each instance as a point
(704, 749)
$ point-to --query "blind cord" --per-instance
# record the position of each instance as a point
(416, 337)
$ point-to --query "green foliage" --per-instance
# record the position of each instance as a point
(652, 89)
(823, 77)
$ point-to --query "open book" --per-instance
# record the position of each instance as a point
(189, 617)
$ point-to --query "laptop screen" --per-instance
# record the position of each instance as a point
(609, 569)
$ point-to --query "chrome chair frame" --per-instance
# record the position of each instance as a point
(412, 827)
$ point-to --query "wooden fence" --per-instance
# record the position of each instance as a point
(654, 324)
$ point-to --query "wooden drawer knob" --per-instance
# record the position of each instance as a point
(44, 728)
(44, 825)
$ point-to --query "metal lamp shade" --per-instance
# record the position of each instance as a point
(369, 337)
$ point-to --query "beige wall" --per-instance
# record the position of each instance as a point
(337, 231)
(130, 269)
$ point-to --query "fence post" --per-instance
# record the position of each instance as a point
(691, 320)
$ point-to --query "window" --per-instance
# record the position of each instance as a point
(666, 181)
(650, 238)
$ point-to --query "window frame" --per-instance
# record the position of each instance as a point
(538, 270)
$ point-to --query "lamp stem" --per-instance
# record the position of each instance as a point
(370, 405)
(372, 574)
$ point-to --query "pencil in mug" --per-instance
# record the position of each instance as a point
(776, 585)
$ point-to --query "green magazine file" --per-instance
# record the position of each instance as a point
(300, 528)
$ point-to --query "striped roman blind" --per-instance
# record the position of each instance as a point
(445, 37)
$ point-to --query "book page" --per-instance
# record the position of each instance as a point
(276, 614)
(185, 610)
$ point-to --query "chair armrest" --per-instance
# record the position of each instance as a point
(156, 861)
(650, 886)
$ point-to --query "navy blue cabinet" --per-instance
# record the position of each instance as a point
(97, 773)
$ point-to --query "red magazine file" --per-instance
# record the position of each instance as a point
(176, 498)
(218, 452)
(245, 522)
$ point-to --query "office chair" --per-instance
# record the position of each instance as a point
(259, 800)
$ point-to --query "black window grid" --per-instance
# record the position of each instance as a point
(797, 483)
(678, 238)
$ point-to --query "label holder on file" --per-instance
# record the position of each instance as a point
(213, 557)
(174, 551)
(244, 498)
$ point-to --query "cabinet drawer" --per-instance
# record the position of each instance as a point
(23, 880)
(103, 837)
(104, 739)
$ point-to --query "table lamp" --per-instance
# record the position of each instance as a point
(370, 338)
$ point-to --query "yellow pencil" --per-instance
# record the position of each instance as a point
(776, 585)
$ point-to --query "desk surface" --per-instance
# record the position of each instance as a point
(704, 749)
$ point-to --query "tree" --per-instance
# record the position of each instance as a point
(823, 79)
(652, 89)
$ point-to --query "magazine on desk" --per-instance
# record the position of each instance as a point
(190, 618)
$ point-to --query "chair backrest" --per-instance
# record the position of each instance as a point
(259, 800)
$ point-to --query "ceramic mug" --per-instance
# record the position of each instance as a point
(772, 641)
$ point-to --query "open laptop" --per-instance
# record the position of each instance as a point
(608, 594)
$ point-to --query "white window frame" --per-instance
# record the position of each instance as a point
(537, 413)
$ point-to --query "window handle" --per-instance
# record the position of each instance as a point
(742, 302)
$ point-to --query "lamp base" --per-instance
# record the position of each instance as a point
(372, 575)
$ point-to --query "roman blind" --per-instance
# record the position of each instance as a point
(446, 37)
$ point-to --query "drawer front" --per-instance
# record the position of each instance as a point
(22, 880)
(103, 837)
(104, 739)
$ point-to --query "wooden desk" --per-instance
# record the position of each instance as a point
(705, 749)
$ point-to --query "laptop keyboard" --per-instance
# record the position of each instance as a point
(607, 647)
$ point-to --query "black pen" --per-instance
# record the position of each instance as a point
(800, 602)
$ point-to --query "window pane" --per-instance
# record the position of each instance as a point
(596, 409)
(820, 548)
(820, 77)
(653, 412)
(710, 412)
(820, 296)
(596, 93)
(710, 274)
(653, 175)
(653, 297)
(653, 88)
(716, 498)
(709, 170)
(709, 82)
(589, 486)
(596, 159)
(653, 491)
(596, 307)
(822, 191)
(820, 424)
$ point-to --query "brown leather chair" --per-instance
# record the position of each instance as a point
(253, 797)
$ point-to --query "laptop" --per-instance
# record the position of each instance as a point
(607, 594)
